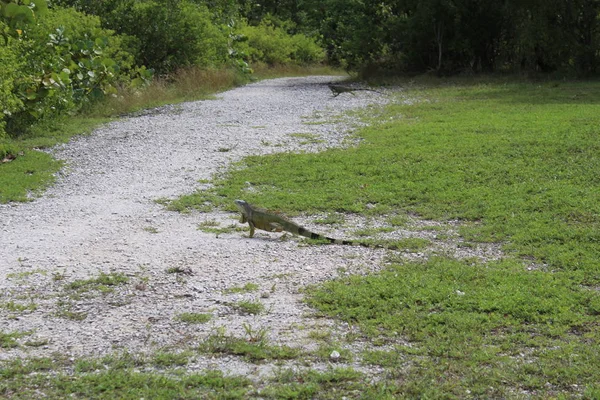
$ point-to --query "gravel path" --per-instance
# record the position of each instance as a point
(101, 217)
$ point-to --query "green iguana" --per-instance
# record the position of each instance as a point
(339, 89)
(259, 218)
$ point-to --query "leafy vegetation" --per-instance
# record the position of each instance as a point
(248, 287)
(103, 283)
(450, 36)
(271, 44)
(249, 307)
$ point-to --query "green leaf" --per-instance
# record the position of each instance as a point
(108, 62)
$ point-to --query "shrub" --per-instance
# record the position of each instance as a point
(10, 67)
(169, 35)
(271, 44)
(68, 60)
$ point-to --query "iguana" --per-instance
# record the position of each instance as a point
(259, 218)
(339, 89)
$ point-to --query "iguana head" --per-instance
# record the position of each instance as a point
(242, 205)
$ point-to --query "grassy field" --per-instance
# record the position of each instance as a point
(517, 163)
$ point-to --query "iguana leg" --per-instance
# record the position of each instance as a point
(251, 228)
(275, 227)
(243, 219)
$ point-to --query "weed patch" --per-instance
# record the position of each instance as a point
(522, 325)
(254, 348)
(247, 288)
(105, 283)
(194, 318)
(249, 307)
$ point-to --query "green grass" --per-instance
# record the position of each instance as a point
(526, 328)
(104, 283)
(336, 383)
(194, 318)
(9, 340)
(102, 379)
(33, 170)
(254, 348)
(249, 307)
(516, 163)
(247, 288)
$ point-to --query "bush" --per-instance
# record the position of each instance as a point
(170, 35)
(271, 44)
(68, 61)
(10, 69)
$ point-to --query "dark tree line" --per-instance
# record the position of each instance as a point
(451, 36)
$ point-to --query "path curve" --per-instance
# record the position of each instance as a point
(101, 217)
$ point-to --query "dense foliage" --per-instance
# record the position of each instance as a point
(451, 36)
(54, 62)
(59, 56)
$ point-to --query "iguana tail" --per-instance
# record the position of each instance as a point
(302, 231)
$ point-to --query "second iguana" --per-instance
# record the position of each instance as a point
(336, 90)
(259, 218)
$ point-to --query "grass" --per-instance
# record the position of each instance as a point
(104, 283)
(194, 318)
(115, 378)
(517, 164)
(247, 288)
(9, 340)
(249, 307)
(254, 348)
(530, 329)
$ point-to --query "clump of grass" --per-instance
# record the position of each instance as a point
(247, 288)
(9, 340)
(17, 307)
(163, 359)
(104, 283)
(194, 318)
(212, 226)
(179, 270)
(249, 307)
(310, 384)
(250, 349)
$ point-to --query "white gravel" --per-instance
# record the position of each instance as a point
(101, 217)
